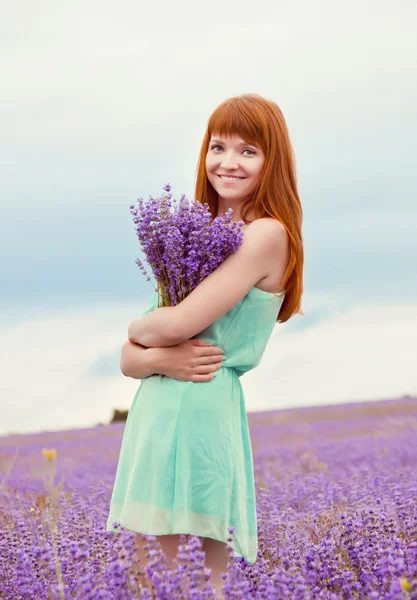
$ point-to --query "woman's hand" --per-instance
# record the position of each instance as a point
(191, 360)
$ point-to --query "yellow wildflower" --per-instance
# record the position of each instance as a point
(49, 454)
(405, 585)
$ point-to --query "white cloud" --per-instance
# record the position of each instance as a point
(365, 353)
(45, 363)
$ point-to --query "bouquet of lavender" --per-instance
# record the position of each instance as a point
(181, 246)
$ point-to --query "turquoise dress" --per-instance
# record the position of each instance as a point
(185, 463)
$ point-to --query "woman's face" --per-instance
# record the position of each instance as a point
(236, 159)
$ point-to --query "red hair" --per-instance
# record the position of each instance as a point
(259, 121)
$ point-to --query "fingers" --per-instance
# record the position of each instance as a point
(209, 352)
(206, 347)
(200, 378)
(207, 360)
(208, 368)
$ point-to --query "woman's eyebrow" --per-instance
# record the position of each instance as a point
(239, 144)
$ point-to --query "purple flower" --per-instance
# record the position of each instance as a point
(182, 243)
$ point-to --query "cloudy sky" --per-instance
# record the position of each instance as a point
(103, 103)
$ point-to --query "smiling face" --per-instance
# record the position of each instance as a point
(241, 164)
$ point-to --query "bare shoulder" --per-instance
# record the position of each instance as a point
(270, 240)
(267, 231)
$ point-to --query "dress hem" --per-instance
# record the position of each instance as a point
(200, 529)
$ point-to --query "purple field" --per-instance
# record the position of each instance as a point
(336, 501)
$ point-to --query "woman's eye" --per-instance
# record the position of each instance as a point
(247, 149)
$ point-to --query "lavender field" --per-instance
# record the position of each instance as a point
(337, 513)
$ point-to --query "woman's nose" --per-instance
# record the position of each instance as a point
(229, 161)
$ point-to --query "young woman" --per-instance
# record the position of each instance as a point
(185, 463)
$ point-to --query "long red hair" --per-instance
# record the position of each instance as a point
(259, 121)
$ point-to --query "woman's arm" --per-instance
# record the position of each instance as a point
(264, 245)
(192, 360)
(154, 329)
(139, 362)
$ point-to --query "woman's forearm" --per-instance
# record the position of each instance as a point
(154, 330)
(139, 362)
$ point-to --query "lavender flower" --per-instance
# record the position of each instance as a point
(336, 489)
(183, 245)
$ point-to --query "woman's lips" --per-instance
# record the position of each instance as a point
(223, 178)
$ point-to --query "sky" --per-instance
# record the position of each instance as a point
(103, 103)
